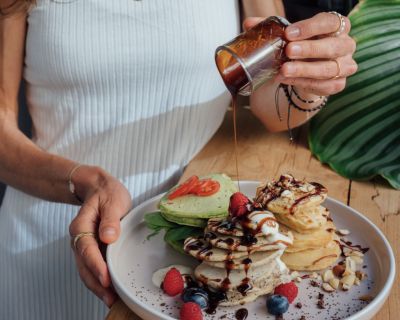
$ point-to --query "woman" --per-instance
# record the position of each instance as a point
(122, 94)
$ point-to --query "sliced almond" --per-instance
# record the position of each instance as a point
(356, 253)
(327, 287)
(366, 298)
(314, 275)
(327, 275)
(357, 259)
(343, 232)
(350, 266)
(347, 281)
(298, 279)
(357, 281)
(347, 251)
(361, 275)
(334, 282)
(294, 274)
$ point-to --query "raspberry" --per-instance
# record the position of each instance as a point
(238, 204)
(191, 311)
(288, 290)
(173, 282)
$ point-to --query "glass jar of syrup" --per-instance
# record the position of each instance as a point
(253, 57)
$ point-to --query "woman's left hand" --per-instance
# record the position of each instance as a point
(320, 62)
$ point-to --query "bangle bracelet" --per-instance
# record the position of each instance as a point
(303, 100)
(71, 185)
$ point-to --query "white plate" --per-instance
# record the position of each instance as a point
(133, 259)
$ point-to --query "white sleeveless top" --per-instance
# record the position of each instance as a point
(130, 86)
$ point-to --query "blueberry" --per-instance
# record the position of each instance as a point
(196, 295)
(277, 304)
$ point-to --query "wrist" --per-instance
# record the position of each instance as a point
(306, 100)
(87, 179)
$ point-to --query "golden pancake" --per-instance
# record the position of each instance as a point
(305, 221)
(313, 259)
(316, 239)
(288, 195)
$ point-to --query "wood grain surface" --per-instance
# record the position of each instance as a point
(263, 155)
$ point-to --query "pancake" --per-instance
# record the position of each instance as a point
(287, 195)
(214, 277)
(305, 241)
(252, 260)
(313, 259)
(305, 221)
(203, 251)
(226, 227)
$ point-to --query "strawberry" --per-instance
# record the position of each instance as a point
(288, 290)
(191, 311)
(238, 204)
(173, 283)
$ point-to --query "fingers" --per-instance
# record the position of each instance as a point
(326, 48)
(249, 23)
(320, 24)
(107, 295)
(317, 87)
(344, 67)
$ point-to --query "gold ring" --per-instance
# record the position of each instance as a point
(342, 25)
(339, 70)
(80, 236)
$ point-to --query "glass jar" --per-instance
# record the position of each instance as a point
(253, 57)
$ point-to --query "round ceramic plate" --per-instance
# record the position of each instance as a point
(133, 259)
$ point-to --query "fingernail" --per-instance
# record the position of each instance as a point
(106, 300)
(109, 232)
(292, 32)
(295, 50)
(289, 69)
(101, 280)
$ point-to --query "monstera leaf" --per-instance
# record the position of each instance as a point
(358, 133)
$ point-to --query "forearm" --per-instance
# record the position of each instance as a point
(25, 166)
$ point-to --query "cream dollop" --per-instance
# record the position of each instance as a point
(265, 222)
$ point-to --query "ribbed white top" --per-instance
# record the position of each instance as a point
(127, 85)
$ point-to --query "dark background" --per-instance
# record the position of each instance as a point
(295, 10)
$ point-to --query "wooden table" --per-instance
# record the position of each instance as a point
(263, 155)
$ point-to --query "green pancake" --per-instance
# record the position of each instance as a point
(191, 209)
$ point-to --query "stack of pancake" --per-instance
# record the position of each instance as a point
(297, 207)
(240, 257)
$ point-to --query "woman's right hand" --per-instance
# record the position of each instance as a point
(105, 202)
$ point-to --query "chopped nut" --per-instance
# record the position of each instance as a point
(350, 266)
(334, 282)
(357, 259)
(361, 275)
(321, 304)
(366, 298)
(314, 283)
(299, 305)
(314, 275)
(327, 275)
(343, 232)
(357, 253)
(338, 270)
(347, 281)
(327, 287)
(294, 274)
(298, 279)
(357, 281)
(346, 251)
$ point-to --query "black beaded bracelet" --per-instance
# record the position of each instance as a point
(293, 104)
(303, 100)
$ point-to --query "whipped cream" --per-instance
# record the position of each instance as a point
(265, 222)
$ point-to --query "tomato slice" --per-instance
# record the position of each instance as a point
(207, 188)
(184, 188)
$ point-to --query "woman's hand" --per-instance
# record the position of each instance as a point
(105, 202)
(313, 51)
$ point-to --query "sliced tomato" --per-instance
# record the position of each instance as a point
(206, 188)
(184, 188)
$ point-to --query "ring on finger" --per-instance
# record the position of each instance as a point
(339, 70)
(79, 236)
(342, 24)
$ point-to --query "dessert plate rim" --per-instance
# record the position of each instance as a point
(128, 298)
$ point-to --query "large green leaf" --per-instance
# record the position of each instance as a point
(358, 133)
